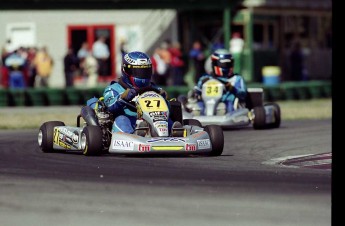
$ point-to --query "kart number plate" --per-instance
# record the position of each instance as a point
(213, 89)
(153, 104)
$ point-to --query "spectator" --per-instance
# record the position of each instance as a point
(90, 66)
(44, 65)
(236, 48)
(15, 64)
(6, 50)
(123, 46)
(161, 62)
(83, 52)
(100, 51)
(31, 66)
(198, 58)
(71, 65)
(177, 64)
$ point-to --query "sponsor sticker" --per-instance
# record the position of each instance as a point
(123, 145)
(190, 147)
(167, 139)
(144, 148)
(204, 144)
(73, 136)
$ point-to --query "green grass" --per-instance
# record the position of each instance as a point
(311, 109)
(22, 119)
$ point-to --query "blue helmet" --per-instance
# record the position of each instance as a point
(137, 69)
(222, 63)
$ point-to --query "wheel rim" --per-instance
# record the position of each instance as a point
(40, 138)
(83, 141)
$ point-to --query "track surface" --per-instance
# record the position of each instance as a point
(236, 188)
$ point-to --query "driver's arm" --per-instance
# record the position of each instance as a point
(112, 97)
(198, 88)
(240, 88)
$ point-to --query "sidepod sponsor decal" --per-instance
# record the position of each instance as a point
(204, 144)
(123, 145)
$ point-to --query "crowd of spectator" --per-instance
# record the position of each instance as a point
(169, 64)
(31, 67)
(25, 67)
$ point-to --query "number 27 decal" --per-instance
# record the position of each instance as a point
(149, 103)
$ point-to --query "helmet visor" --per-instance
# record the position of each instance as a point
(139, 71)
(223, 63)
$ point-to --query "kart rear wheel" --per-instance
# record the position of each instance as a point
(176, 111)
(91, 140)
(192, 122)
(277, 115)
(217, 139)
(46, 135)
(259, 118)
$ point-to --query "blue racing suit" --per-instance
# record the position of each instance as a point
(235, 87)
(125, 118)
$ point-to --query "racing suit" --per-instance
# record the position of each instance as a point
(125, 118)
(235, 88)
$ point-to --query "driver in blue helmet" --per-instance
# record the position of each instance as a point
(222, 69)
(136, 74)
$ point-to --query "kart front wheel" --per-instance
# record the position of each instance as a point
(277, 115)
(46, 135)
(91, 140)
(217, 139)
(259, 118)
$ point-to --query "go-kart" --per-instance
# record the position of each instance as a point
(94, 136)
(253, 111)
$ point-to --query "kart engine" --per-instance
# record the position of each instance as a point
(100, 117)
(105, 121)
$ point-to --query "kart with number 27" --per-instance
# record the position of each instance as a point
(151, 136)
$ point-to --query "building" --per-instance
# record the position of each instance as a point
(269, 28)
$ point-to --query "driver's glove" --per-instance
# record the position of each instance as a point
(196, 94)
(228, 86)
(129, 94)
(163, 93)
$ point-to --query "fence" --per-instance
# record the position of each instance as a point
(79, 96)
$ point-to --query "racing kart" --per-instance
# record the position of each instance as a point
(93, 134)
(252, 112)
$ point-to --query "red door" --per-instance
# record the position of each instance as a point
(78, 34)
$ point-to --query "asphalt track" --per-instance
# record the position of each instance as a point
(244, 186)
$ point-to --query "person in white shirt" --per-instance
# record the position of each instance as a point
(100, 51)
(236, 48)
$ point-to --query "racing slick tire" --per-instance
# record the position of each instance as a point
(46, 135)
(217, 139)
(91, 140)
(192, 122)
(259, 118)
(277, 116)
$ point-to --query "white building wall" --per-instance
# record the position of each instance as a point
(51, 29)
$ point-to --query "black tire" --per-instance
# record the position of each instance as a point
(91, 139)
(259, 118)
(192, 122)
(217, 139)
(176, 111)
(277, 116)
(46, 135)
(253, 100)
